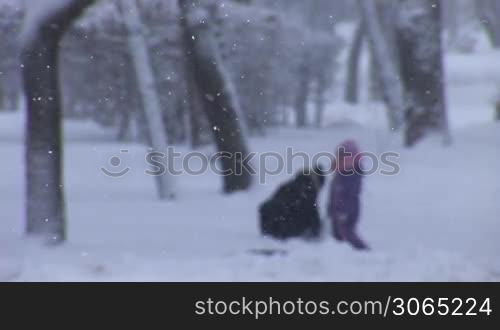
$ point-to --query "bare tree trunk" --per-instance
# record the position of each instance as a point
(497, 106)
(181, 133)
(193, 105)
(392, 88)
(451, 19)
(420, 48)
(374, 87)
(320, 101)
(127, 110)
(3, 100)
(45, 214)
(123, 125)
(388, 14)
(144, 73)
(220, 102)
(352, 84)
(302, 95)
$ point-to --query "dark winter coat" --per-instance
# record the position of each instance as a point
(344, 198)
(344, 194)
(292, 211)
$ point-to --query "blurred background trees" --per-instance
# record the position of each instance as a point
(293, 46)
(98, 75)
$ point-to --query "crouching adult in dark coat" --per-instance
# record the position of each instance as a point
(292, 210)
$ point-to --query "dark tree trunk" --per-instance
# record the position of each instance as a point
(219, 102)
(194, 112)
(127, 107)
(497, 109)
(180, 119)
(45, 215)
(320, 102)
(302, 95)
(142, 126)
(352, 84)
(375, 83)
(451, 20)
(387, 12)
(124, 124)
(421, 61)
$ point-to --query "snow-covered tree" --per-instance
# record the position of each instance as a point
(220, 102)
(45, 24)
(392, 88)
(422, 70)
(10, 82)
(141, 59)
(387, 12)
(352, 86)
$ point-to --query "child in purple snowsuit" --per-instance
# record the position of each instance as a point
(344, 204)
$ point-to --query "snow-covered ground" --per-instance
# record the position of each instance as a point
(438, 219)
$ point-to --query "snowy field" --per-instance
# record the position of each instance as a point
(438, 220)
